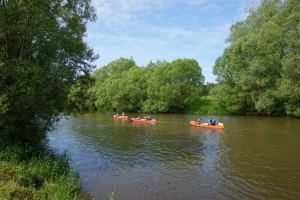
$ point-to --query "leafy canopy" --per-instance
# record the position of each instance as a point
(42, 53)
(260, 69)
(158, 87)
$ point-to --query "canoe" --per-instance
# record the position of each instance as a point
(206, 125)
(120, 117)
(143, 120)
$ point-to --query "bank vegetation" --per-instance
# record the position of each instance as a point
(42, 55)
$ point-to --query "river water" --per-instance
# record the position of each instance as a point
(254, 157)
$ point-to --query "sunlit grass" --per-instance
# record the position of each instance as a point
(29, 173)
(205, 105)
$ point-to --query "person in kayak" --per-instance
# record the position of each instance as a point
(148, 117)
(199, 121)
(213, 122)
(123, 114)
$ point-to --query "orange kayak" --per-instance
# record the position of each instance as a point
(206, 125)
(143, 120)
(120, 117)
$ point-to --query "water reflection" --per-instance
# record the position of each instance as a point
(172, 160)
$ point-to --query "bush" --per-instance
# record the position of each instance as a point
(205, 105)
(30, 173)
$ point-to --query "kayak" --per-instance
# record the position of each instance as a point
(143, 120)
(206, 125)
(120, 117)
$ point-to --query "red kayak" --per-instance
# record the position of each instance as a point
(206, 125)
(143, 120)
(120, 117)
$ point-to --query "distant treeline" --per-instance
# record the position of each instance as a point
(259, 72)
(157, 87)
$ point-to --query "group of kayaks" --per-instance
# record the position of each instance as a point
(192, 123)
(141, 120)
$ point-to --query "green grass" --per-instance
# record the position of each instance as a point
(35, 173)
(205, 105)
(112, 195)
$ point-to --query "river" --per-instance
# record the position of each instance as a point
(254, 157)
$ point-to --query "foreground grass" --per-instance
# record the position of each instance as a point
(34, 173)
(205, 105)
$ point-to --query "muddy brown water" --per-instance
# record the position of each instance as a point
(254, 157)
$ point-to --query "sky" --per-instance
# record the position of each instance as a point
(165, 30)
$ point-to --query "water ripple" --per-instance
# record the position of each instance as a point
(171, 160)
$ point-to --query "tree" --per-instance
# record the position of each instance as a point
(174, 85)
(262, 62)
(290, 85)
(80, 99)
(207, 88)
(115, 85)
(42, 54)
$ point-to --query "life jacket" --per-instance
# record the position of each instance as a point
(213, 122)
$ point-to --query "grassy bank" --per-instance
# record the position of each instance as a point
(205, 105)
(32, 172)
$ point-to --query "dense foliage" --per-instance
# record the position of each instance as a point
(157, 87)
(42, 53)
(260, 70)
(35, 173)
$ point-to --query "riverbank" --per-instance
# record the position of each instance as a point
(34, 172)
(205, 105)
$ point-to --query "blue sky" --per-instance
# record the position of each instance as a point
(151, 30)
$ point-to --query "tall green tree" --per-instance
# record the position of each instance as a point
(80, 99)
(42, 53)
(174, 85)
(132, 89)
(256, 67)
(290, 84)
(112, 85)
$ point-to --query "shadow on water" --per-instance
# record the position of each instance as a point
(253, 157)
